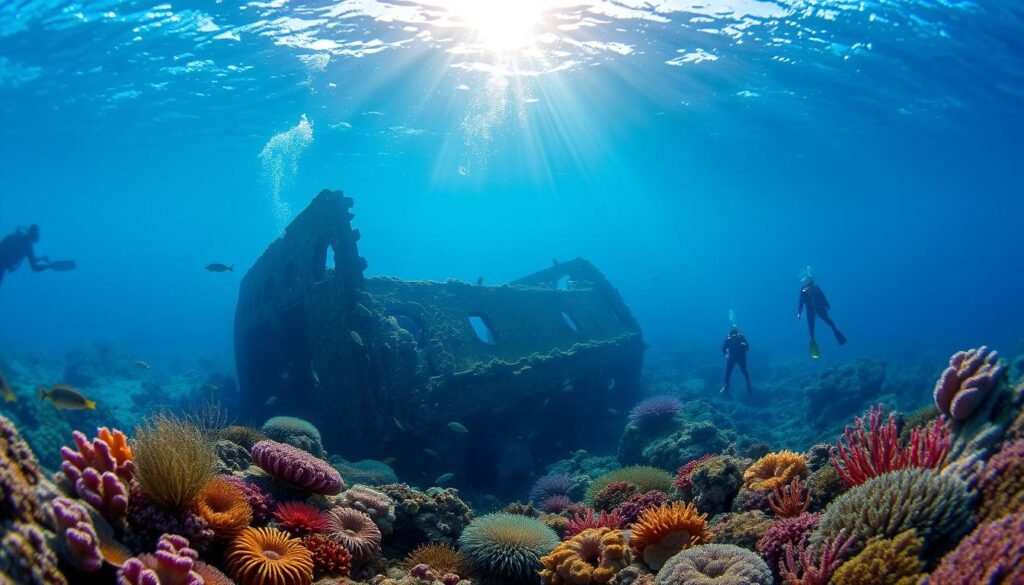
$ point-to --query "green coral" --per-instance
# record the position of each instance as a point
(895, 561)
(938, 506)
(716, 483)
(825, 485)
(647, 479)
(507, 546)
(743, 529)
(296, 432)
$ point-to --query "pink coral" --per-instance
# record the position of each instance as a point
(259, 501)
(356, 532)
(993, 553)
(171, 565)
(637, 504)
(296, 467)
(81, 544)
(100, 470)
(683, 476)
(149, 521)
(783, 533)
(966, 382)
(803, 566)
(589, 519)
(555, 504)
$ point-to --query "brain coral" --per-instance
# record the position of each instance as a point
(774, 469)
(592, 556)
(268, 556)
(662, 532)
(507, 546)
(645, 478)
(1001, 482)
(715, 564)
(993, 554)
(355, 531)
(743, 529)
(938, 506)
(296, 432)
(893, 561)
(715, 483)
(224, 507)
(296, 467)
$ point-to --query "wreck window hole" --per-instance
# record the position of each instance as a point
(331, 262)
(482, 327)
(412, 325)
(562, 283)
(570, 321)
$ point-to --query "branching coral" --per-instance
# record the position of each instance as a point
(25, 556)
(614, 494)
(787, 531)
(644, 478)
(300, 518)
(993, 554)
(1000, 482)
(938, 506)
(507, 546)
(683, 479)
(172, 564)
(662, 532)
(329, 557)
(637, 504)
(100, 470)
(774, 469)
(806, 565)
(592, 556)
(268, 556)
(173, 460)
(224, 507)
(81, 544)
(864, 452)
(789, 501)
(356, 532)
(715, 564)
(441, 558)
(893, 561)
(590, 519)
(965, 383)
(296, 467)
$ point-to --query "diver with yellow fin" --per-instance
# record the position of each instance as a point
(812, 297)
(19, 246)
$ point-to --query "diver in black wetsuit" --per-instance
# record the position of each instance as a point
(19, 246)
(735, 348)
(812, 297)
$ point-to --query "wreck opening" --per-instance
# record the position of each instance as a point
(483, 328)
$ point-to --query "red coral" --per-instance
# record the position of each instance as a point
(783, 533)
(329, 557)
(683, 476)
(613, 494)
(300, 518)
(804, 567)
(581, 522)
(789, 501)
(863, 453)
(637, 504)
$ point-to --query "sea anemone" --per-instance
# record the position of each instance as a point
(441, 558)
(268, 556)
(506, 546)
(590, 519)
(296, 467)
(713, 564)
(329, 557)
(224, 507)
(300, 518)
(893, 561)
(211, 575)
(592, 556)
(655, 410)
(355, 531)
(173, 461)
(555, 504)
(645, 478)
(662, 532)
(774, 469)
(556, 484)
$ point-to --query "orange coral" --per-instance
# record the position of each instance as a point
(789, 501)
(662, 532)
(118, 443)
(268, 556)
(774, 469)
(592, 556)
(224, 507)
(441, 559)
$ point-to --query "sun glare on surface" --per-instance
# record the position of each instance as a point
(500, 25)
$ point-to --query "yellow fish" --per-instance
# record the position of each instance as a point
(64, 397)
(6, 390)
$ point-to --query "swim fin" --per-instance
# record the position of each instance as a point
(815, 352)
(840, 338)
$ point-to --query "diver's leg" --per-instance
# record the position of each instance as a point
(746, 374)
(810, 322)
(840, 338)
(729, 364)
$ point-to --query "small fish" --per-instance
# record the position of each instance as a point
(458, 427)
(444, 479)
(6, 389)
(356, 338)
(613, 412)
(270, 400)
(218, 267)
(432, 453)
(611, 384)
(388, 460)
(315, 376)
(210, 387)
(398, 424)
(142, 365)
(65, 397)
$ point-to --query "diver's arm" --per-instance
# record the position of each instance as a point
(800, 307)
(37, 264)
(725, 345)
(745, 343)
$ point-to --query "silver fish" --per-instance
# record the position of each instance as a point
(444, 478)
(458, 427)
(271, 400)
(432, 453)
(398, 424)
(613, 412)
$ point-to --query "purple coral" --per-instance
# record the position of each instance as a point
(170, 565)
(783, 533)
(81, 545)
(149, 521)
(637, 504)
(555, 504)
(654, 410)
(297, 467)
(422, 572)
(965, 383)
(259, 501)
(450, 579)
(556, 484)
(993, 553)
(99, 478)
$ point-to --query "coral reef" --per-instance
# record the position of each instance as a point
(644, 478)
(366, 472)
(233, 457)
(437, 515)
(171, 564)
(843, 389)
(224, 507)
(938, 506)
(1000, 483)
(300, 518)
(716, 482)
(377, 505)
(614, 494)
(637, 504)
(743, 529)
(242, 436)
(329, 558)
(26, 557)
(712, 564)
(507, 546)
(967, 380)
(824, 486)
(296, 432)
(81, 545)
(556, 504)
(268, 556)
(993, 554)
(589, 519)
(355, 531)
(683, 480)
(894, 561)
(148, 521)
(173, 460)
(814, 565)
(690, 441)
(295, 467)
(787, 532)
(774, 469)
(210, 574)
(662, 532)
(788, 501)
(554, 484)
(259, 502)
(655, 410)
(441, 559)
(592, 556)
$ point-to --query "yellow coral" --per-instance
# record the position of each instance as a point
(224, 507)
(592, 556)
(662, 532)
(441, 559)
(894, 561)
(774, 469)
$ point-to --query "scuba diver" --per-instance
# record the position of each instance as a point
(812, 297)
(735, 348)
(20, 246)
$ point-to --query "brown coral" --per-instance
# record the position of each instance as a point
(268, 556)
(662, 532)
(592, 556)
(224, 507)
(774, 469)
(441, 559)
(894, 561)
(356, 532)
